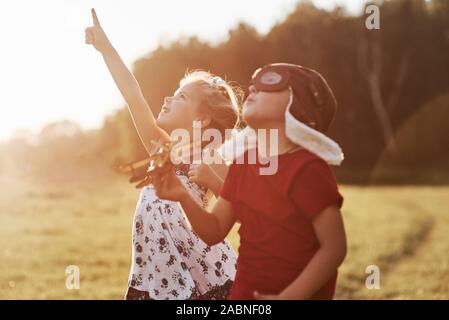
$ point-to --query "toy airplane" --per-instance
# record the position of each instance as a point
(142, 170)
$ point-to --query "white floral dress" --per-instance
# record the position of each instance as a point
(169, 261)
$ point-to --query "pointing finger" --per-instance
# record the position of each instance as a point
(94, 17)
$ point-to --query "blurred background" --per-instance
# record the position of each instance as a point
(64, 129)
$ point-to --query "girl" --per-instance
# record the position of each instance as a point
(292, 238)
(169, 261)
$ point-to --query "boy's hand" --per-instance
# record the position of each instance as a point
(259, 296)
(281, 296)
(96, 36)
(201, 174)
(167, 185)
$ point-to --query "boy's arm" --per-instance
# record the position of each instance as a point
(212, 227)
(329, 229)
(141, 113)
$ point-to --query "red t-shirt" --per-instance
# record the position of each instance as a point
(277, 239)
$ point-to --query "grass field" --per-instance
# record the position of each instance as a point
(402, 230)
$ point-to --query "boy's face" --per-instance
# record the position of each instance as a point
(265, 109)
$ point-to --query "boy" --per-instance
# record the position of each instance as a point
(292, 238)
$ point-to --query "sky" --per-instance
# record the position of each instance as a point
(48, 73)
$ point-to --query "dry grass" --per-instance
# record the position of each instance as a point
(44, 229)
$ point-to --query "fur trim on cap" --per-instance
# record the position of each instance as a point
(311, 139)
(240, 141)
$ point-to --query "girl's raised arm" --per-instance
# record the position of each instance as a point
(141, 113)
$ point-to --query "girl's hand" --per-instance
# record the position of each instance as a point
(96, 36)
(167, 185)
(201, 174)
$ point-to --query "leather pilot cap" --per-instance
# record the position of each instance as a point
(313, 104)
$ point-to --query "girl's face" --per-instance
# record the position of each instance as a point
(265, 109)
(180, 110)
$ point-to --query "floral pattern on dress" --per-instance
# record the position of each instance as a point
(169, 260)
